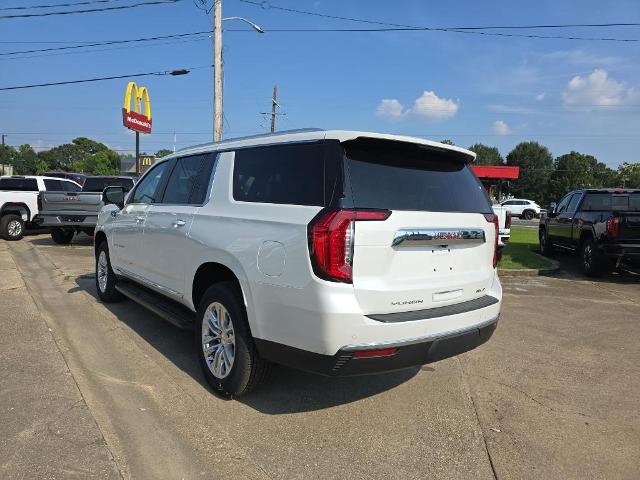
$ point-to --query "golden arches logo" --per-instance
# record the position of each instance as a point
(134, 119)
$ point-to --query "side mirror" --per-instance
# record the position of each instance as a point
(113, 195)
(551, 211)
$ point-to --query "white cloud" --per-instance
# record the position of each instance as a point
(541, 96)
(595, 89)
(501, 128)
(428, 105)
(390, 108)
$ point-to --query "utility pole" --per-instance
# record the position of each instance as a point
(274, 105)
(217, 70)
(3, 135)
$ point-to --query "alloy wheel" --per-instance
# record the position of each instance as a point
(103, 271)
(14, 228)
(218, 340)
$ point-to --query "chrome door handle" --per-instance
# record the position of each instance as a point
(139, 219)
(179, 223)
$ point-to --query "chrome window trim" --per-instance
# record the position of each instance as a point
(415, 340)
(147, 282)
(417, 237)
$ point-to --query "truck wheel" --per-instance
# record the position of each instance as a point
(224, 344)
(105, 277)
(545, 245)
(528, 214)
(593, 261)
(11, 227)
(62, 236)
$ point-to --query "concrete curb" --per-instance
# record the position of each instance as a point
(530, 272)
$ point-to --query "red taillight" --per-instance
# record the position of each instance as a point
(331, 235)
(508, 222)
(493, 218)
(613, 226)
(383, 352)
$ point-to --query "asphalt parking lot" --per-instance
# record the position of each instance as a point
(111, 391)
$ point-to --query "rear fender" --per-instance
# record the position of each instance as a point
(16, 209)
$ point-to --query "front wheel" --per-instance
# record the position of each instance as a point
(105, 277)
(224, 344)
(12, 227)
(545, 245)
(593, 261)
(62, 236)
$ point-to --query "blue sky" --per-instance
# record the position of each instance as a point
(569, 95)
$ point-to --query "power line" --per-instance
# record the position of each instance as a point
(469, 30)
(73, 4)
(69, 82)
(89, 10)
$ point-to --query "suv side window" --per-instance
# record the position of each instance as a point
(573, 204)
(70, 186)
(283, 174)
(147, 189)
(189, 179)
(562, 206)
(53, 185)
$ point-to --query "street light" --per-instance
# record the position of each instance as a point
(248, 22)
(217, 64)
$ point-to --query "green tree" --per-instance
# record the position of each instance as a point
(26, 161)
(163, 152)
(8, 156)
(486, 155)
(571, 171)
(605, 177)
(102, 163)
(629, 174)
(71, 157)
(446, 141)
(536, 164)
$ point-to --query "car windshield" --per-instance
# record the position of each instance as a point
(98, 184)
(605, 201)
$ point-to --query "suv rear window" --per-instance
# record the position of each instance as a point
(284, 174)
(404, 176)
(605, 201)
(93, 184)
(19, 184)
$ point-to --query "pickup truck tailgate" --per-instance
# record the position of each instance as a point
(86, 202)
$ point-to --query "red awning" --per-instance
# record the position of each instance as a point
(498, 172)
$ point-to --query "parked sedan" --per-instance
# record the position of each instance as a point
(522, 208)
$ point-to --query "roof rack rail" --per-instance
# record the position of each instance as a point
(250, 137)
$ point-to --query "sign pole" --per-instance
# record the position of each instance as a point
(137, 153)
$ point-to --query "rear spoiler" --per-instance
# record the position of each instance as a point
(381, 144)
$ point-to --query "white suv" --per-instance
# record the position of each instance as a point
(522, 208)
(336, 252)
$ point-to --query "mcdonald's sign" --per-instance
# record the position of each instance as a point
(134, 119)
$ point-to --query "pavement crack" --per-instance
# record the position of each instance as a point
(475, 411)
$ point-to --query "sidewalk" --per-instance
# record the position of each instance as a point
(46, 428)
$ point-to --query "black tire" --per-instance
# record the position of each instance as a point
(528, 214)
(62, 236)
(545, 245)
(12, 227)
(106, 290)
(593, 261)
(247, 370)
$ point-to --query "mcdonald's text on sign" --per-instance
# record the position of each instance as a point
(133, 118)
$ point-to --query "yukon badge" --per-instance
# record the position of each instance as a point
(406, 302)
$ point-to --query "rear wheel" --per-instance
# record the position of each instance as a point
(545, 245)
(224, 344)
(62, 236)
(593, 261)
(528, 214)
(11, 227)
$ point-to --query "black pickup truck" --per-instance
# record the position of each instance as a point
(602, 225)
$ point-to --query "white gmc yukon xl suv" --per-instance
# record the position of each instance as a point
(336, 252)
